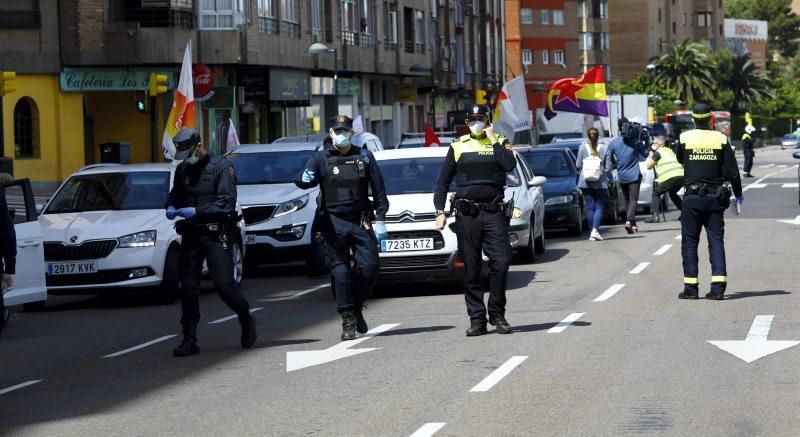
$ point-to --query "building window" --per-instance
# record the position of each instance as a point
(558, 57)
(268, 16)
(659, 15)
(558, 18)
(408, 30)
(585, 42)
(674, 28)
(526, 16)
(527, 57)
(26, 128)
(316, 17)
(220, 14)
(721, 29)
(19, 14)
(545, 16)
(545, 57)
(419, 31)
(599, 8)
(290, 18)
(704, 19)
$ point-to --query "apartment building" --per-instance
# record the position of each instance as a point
(642, 30)
(82, 64)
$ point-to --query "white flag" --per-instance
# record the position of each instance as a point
(182, 113)
(511, 113)
(233, 139)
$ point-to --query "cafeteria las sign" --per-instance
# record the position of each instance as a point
(78, 80)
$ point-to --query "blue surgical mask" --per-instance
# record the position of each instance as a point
(192, 159)
(341, 140)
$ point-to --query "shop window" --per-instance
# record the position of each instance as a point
(26, 128)
(19, 14)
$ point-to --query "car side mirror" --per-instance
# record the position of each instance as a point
(537, 181)
(796, 155)
(39, 210)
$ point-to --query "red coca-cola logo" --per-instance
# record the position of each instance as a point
(203, 80)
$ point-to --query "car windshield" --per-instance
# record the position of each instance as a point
(408, 144)
(419, 175)
(268, 167)
(112, 192)
(550, 164)
(790, 137)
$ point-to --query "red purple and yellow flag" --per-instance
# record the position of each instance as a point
(585, 95)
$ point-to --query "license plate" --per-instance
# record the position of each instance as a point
(76, 268)
(407, 245)
(250, 239)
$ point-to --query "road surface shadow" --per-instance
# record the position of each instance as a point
(647, 230)
(623, 237)
(520, 279)
(544, 326)
(273, 343)
(745, 294)
(551, 255)
(419, 330)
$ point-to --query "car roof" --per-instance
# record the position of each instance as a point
(415, 152)
(278, 147)
(301, 138)
(124, 168)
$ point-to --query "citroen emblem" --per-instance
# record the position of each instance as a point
(73, 239)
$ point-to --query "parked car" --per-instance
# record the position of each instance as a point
(790, 141)
(105, 228)
(564, 204)
(30, 289)
(279, 217)
(796, 155)
(417, 139)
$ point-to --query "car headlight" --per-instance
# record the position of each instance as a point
(558, 200)
(291, 206)
(517, 213)
(139, 239)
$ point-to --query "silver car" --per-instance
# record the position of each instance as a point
(526, 230)
(790, 141)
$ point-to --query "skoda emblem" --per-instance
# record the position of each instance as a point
(336, 170)
(73, 239)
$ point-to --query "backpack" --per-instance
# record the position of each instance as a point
(592, 166)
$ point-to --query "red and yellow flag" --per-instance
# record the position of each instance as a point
(183, 111)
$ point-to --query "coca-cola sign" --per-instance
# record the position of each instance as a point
(203, 80)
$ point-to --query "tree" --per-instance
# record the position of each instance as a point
(783, 24)
(687, 69)
(643, 84)
(749, 86)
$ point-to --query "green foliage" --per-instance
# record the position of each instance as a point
(643, 84)
(687, 69)
(783, 27)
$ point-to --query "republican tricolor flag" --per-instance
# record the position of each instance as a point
(585, 95)
(182, 113)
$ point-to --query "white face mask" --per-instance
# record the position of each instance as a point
(341, 140)
(476, 127)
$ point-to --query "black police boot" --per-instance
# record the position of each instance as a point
(348, 325)
(501, 324)
(361, 324)
(748, 175)
(249, 334)
(189, 344)
(476, 328)
(713, 296)
(688, 294)
(654, 219)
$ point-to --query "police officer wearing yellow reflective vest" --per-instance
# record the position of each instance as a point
(709, 162)
(669, 176)
(479, 163)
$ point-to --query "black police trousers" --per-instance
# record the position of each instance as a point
(485, 232)
(352, 289)
(703, 212)
(194, 249)
(749, 154)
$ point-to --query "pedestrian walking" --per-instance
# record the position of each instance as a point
(479, 163)
(8, 248)
(747, 146)
(709, 162)
(204, 195)
(628, 150)
(351, 224)
(593, 163)
(669, 177)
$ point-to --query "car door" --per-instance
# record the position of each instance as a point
(31, 286)
(535, 194)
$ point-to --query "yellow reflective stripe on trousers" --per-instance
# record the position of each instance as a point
(719, 279)
(690, 281)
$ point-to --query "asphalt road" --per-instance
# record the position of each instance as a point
(602, 347)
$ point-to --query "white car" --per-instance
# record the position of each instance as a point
(646, 188)
(414, 249)
(30, 289)
(105, 227)
(279, 217)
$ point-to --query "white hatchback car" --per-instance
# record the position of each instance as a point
(414, 249)
(105, 227)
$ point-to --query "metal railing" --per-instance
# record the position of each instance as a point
(289, 29)
(268, 25)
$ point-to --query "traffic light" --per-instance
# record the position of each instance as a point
(7, 84)
(157, 84)
(480, 97)
(141, 101)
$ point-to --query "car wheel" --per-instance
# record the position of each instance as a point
(539, 244)
(526, 254)
(32, 307)
(577, 230)
(167, 292)
(237, 258)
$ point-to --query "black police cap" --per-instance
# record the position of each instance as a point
(478, 111)
(701, 110)
(341, 121)
(184, 140)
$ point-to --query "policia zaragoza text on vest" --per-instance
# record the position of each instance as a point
(345, 174)
(708, 161)
(204, 194)
(479, 162)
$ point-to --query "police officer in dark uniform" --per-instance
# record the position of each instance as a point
(709, 162)
(204, 194)
(346, 173)
(749, 153)
(8, 247)
(479, 163)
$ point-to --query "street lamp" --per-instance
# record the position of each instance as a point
(416, 68)
(318, 48)
(653, 68)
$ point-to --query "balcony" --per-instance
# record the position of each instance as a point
(127, 43)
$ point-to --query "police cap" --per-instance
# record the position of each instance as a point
(341, 122)
(701, 110)
(478, 112)
(184, 140)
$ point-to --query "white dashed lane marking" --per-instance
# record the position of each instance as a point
(791, 185)
(19, 386)
(564, 324)
(225, 319)
(498, 374)
(141, 346)
(612, 290)
(295, 295)
(428, 429)
(663, 250)
(639, 269)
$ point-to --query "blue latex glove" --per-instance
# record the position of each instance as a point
(380, 230)
(308, 176)
(171, 212)
(739, 202)
(186, 213)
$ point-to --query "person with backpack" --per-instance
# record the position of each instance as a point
(593, 163)
(628, 149)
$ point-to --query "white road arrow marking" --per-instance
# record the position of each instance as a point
(796, 221)
(302, 359)
(756, 345)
